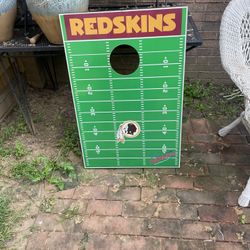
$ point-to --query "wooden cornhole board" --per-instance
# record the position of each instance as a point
(127, 71)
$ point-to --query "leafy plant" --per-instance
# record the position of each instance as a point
(196, 91)
(70, 140)
(86, 176)
(44, 169)
(5, 151)
(11, 130)
(70, 213)
(5, 221)
(47, 205)
(8, 219)
(20, 150)
(151, 178)
(209, 100)
(242, 219)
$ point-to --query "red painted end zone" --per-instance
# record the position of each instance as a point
(124, 24)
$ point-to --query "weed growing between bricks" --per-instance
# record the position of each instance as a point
(207, 100)
(43, 169)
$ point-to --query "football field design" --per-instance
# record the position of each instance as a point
(150, 99)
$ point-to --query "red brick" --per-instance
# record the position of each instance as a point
(237, 148)
(37, 241)
(147, 179)
(112, 225)
(161, 195)
(168, 244)
(65, 194)
(225, 171)
(200, 126)
(213, 183)
(103, 207)
(100, 241)
(206, 158)
(231, 198)
(187, 127)
(133, 180)
(166, 171)
(125, 193)
(161, 228)
(201, 230)
(53, 222)
(109, 180)
(229, 246)
(217, 213)
(232, 232)
(140, 243)
(91, 192)
(207, 197)
(60, 205)
(180, 182)
(205, 138)
(193, 170)
(128, 171)
(63, 241)
(237, 159)
(235, 139)
(139, 209)
(176, 211)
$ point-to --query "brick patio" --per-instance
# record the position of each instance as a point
(194, 207)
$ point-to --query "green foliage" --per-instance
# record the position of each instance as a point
(5, 151)
(70, 213)
(242, 219)
(47, 205)
(5, 220)
(8, 219)
(151, 178)
(196, 91)
(44, 169)
(18, 151)
(86, 176)
(208, 100)
(70, 140)
(19, 127)
(7, 133)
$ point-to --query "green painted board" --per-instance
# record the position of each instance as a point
(127, 118)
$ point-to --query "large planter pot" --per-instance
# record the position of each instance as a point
(45, 13)
(8, 11)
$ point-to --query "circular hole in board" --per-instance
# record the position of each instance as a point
(124, 59)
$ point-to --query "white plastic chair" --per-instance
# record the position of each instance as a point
(235, 57)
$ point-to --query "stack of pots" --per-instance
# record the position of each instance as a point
(8, 9)
(45, 13)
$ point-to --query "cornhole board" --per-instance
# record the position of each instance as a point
(128, 120)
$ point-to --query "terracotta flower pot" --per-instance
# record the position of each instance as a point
(45, 13)
(8, 11)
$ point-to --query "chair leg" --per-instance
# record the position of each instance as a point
(224, 131)
(244, 198)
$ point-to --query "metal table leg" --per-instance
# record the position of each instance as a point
(17, 86)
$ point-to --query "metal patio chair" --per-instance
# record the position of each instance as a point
(235, 57)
